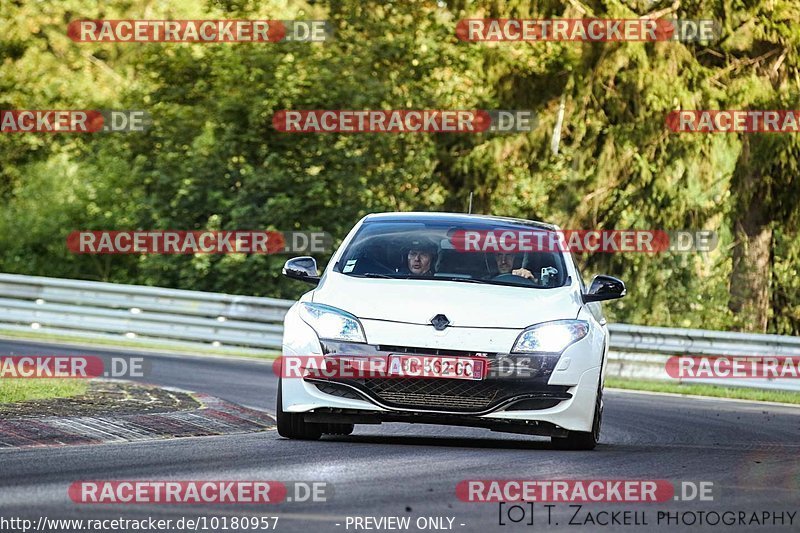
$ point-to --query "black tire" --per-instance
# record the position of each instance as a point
(292, 425)
(583, 440)
(338, 429)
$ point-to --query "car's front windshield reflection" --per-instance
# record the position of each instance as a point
(441, 251)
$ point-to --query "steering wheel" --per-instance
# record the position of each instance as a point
(511, 278)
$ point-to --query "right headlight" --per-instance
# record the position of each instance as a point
(332, 323)
(551, 337)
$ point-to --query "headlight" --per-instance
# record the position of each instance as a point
(551, 337)
(332, 323)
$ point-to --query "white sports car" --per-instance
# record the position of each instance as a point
(446, 319)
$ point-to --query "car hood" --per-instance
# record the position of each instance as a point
(465, 304)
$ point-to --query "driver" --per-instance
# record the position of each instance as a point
(505, 265)
(421, 257)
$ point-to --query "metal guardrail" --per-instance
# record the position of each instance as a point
(643, 351)
(188, 320)
(153, 316)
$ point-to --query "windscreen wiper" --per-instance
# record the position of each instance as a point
(432, 278)
(454, 278)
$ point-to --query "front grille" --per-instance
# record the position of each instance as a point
(450, 394)
(454, 395)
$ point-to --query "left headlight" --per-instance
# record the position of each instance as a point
(551, 337)
(332, 323)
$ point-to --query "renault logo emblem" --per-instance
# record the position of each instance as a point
(440, 322)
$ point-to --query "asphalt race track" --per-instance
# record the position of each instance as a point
(749, 452)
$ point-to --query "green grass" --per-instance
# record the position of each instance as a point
(715, 391)
(18, 390)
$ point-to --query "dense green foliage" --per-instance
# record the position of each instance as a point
(213, 160)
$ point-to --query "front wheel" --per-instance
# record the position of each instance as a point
(292, 425)
(583, 440)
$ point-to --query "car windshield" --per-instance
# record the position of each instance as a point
(487, 253)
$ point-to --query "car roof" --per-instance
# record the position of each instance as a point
(455, 218)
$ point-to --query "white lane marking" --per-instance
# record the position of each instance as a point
(695, 397)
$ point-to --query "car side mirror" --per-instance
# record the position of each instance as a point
(604, 288)
(302, 269)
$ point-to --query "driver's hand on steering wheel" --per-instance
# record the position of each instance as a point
(523, 272)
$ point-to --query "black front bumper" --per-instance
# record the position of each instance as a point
(353, 416)
(514, 382)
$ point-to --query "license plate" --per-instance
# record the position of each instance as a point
(425, 366)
